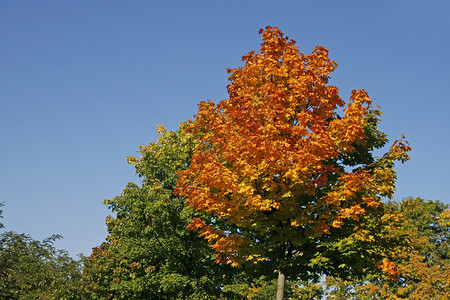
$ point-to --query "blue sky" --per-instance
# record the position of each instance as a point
(84, 83)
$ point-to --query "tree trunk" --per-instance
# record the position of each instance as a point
(280, 286)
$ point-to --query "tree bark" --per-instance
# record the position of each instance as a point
(280, 285)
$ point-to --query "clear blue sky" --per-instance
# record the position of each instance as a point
(83, 84)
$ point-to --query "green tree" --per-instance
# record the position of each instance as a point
(295, 177)
(149, 253)
(30, 269)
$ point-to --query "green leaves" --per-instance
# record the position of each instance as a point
(30, 269)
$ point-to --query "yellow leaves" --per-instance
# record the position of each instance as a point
(348, 185)
(245, 189)
(337, 223)
(444, 218)
(255, 258)
(287, 194)
(399, 150)
(161, 130)
(354, 212)
(295, 223)
(383, 174)
(109, 219)
(257, 203)
(385, 179)
(363, 235)
(233, 263)
(344, 197)
(390, 269)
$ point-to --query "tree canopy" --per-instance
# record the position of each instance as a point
(31, 269)
(295, 176)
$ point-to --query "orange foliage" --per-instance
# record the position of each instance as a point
(390, 269)
(275, 144)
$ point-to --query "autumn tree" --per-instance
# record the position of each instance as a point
(424, 264)
(423, 261)
(288, 166)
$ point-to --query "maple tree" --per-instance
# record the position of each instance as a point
(293, 178)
